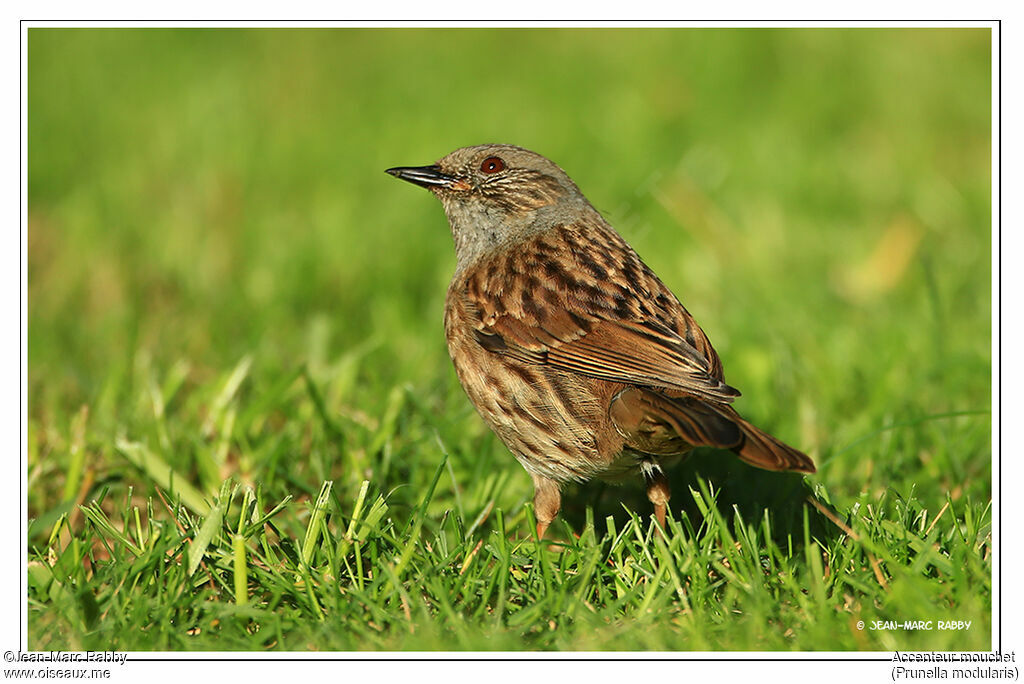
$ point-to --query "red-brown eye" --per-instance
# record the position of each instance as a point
(492, 165)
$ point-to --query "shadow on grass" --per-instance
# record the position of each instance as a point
(738, 488)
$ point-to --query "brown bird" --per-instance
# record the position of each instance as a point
(578, 357)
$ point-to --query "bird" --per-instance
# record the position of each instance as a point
(578, 357)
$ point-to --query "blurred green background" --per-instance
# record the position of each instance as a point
(815, 193)
(818, 198)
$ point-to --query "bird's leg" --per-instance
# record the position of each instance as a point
(658, 492)
(547, 500)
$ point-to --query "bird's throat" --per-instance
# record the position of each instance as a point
(480, 230)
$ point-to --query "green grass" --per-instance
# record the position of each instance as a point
(244, 430)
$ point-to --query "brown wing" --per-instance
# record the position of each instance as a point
(578, 298)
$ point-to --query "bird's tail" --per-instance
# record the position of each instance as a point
(760, 449)
(655, 423)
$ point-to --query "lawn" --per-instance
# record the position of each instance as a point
(244, 429)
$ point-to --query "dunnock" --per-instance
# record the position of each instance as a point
(572, 350)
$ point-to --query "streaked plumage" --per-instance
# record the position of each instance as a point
(579, 358)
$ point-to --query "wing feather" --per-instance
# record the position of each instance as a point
(543, 302)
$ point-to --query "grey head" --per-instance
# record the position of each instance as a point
(495, 195)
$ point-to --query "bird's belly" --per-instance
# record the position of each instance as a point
(627, 463)
(555, 423)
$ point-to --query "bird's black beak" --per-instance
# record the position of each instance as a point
(426, 176)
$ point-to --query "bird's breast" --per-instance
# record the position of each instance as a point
(556, 423)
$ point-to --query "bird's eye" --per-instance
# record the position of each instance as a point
(492, 165)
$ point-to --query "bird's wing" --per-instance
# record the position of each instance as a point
(579, 299)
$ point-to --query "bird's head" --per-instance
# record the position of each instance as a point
(495, 194)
